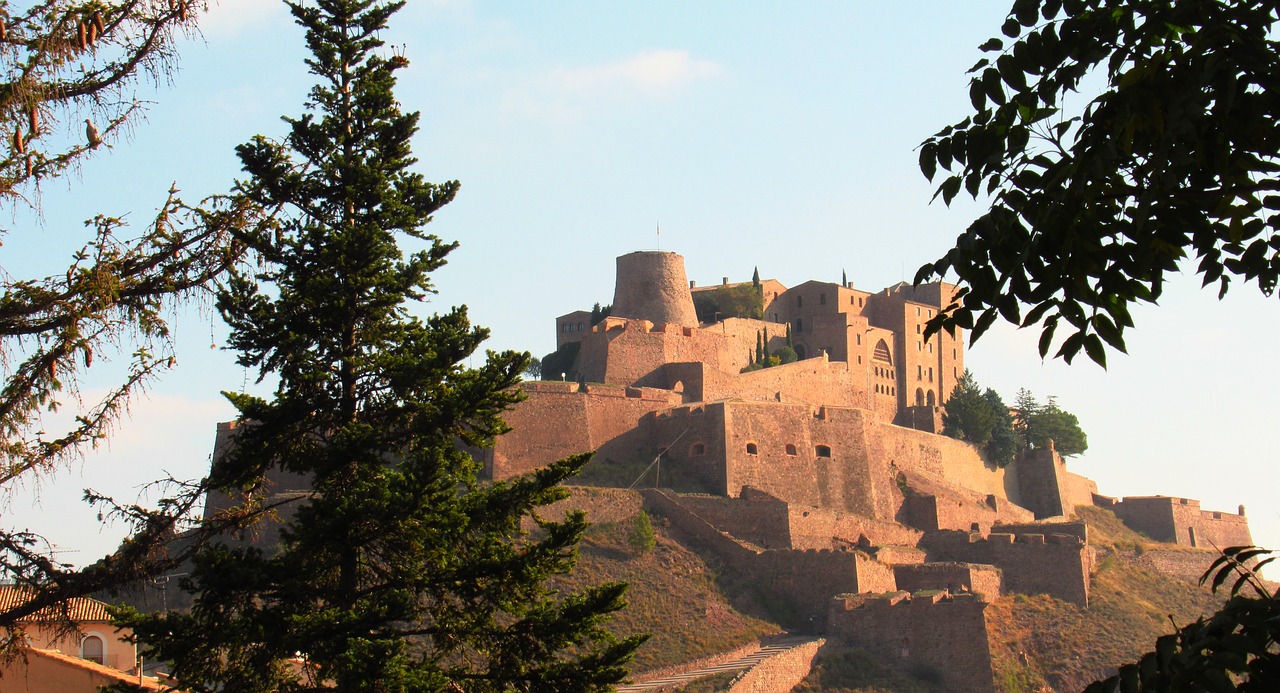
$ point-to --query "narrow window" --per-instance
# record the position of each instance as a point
(751, 448)
(579, 327)
(822, 451)
(917, 311)
(822, 299)
(799, 325)
(917, 328)
(800, 301)
(919, 372)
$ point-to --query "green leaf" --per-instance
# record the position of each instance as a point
(928, 163)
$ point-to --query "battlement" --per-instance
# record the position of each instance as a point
(929, 633)
(1031, 563)
(1180, 521)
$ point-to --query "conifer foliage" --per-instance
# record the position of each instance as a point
(400, 571)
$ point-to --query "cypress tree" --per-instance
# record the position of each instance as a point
(759, 347)
(400, 570)
(755, 277)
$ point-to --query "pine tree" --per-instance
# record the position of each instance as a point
(400, 571)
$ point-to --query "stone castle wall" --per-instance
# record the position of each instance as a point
(562, 419)
(956, 578)
(938, 638)
(1047, 488)
(1180, 521)
(781, 672)
(804, 580)
(1056, 565)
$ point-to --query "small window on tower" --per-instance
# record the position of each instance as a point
(822, 451)
(752, 449)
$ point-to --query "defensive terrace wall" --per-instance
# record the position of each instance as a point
(935, 636)
(1180, 521)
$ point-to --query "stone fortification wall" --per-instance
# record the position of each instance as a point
(562, 419)
(1179, 521)
(955, 578)
(690, 438)
(1056, 565)
(940, 457)
(934, 504)
(815, 381)
(1074, 528)
(770, 523)
(652, 286)
(938, 637)
(781, 672)
(1047, 488)
(800, 456)
(816, 528)
(1178, 563)
(757, 518)
(1208, 528)
(806, 580)
(623, 352)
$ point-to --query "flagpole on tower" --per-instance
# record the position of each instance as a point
(659, 235)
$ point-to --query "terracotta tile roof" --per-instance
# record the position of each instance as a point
(147, 683)
(80, 609)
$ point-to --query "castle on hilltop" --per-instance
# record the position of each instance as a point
(824, 481)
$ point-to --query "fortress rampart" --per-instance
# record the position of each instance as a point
(1058, 565)
(1047, 488)
(561, 419)
(935, 636)
(954, 578)
(1180, 521)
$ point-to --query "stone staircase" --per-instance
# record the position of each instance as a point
(769, 647)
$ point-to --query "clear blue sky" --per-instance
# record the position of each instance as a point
(770, 135)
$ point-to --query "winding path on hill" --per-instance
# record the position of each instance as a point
(769, 647)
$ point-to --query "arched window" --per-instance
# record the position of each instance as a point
(580, 327)
(697, 449)
(919, 397)
(791, 449)
(881, 353)
(822, 451)
(930, 398)
(801, 352)
(93, 648)
(752, 449)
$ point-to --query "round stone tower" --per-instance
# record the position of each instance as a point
(651, 286)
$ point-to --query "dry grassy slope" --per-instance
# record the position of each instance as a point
(1038, 641)
(673, 596)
